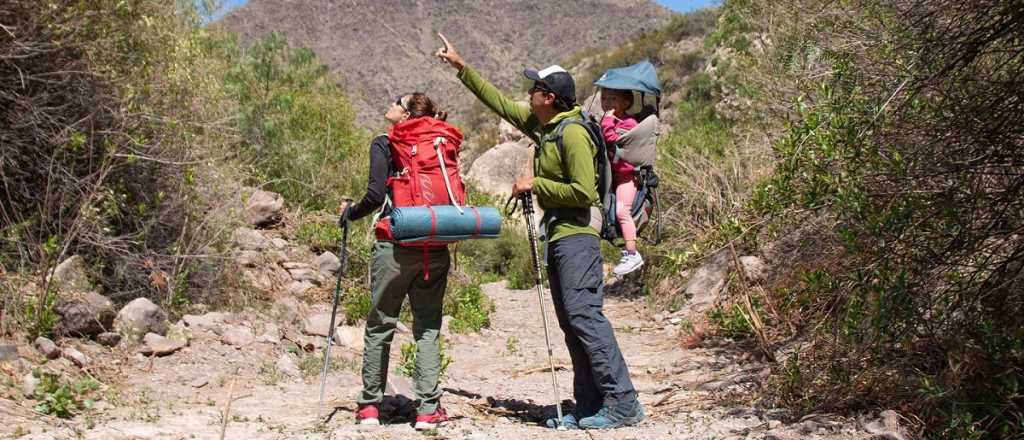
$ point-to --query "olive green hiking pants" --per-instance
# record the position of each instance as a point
(396, 272)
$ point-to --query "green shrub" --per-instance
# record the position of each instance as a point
(407, 364)
(297, 126)
(62, 399)
(508, 256)
(39, 317)
(469, 308)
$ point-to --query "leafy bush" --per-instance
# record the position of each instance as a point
(469, 308)
(61, 399)
(901, 165)
(297, 126)
(407, 364)
(508, 256)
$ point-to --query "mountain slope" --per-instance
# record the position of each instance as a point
(383, 48)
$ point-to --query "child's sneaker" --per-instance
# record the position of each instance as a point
(630, 262)
(368, 414)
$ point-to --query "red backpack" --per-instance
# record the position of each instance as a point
(425, 156)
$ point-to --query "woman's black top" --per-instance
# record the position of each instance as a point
(376, 186)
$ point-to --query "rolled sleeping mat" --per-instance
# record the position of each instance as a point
(444, 223)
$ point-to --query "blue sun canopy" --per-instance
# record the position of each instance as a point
(640, 77)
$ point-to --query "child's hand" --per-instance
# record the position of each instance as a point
(610, 112)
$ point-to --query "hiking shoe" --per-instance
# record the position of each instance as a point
(569, 421)
(430, 421)
(629, 263)
(368, 414)
(625, 414)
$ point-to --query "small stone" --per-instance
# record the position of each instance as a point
(29, 382)
(279, 243)
(271, 335)
(246, 258)
(199, 382)
(47, 348)
(350, 337)
(327, 263)
(319, 324)
(659, 317)
(276, 257)
(9, 353)
(75, 356)
(772, 424)
(249, 239)
(209, 321)
(809, 427)
(675, 321)
(753, 267)
(294, 265)
(237, 336)
(299, 287)
(286, 366)
(779, 434)
(108, 339)
(304, 275)
(156, 345)
(258, 279)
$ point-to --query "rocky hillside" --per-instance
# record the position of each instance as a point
(383, 48)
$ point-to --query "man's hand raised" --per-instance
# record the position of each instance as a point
(449, 55)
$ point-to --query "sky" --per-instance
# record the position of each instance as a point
(675, 5)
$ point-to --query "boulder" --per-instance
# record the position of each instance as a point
(327, 263)
(271, 335)
(139, 317)
(507, 133)
(156, 345)
(70, 275)
(237, 336)
(75, 356)
(288, 310)
(753, 267)
(263, 208)
(707, 282)
(349, 337)
(85, 314)
(47, 348)
(250, 239)
(497, 168)
(319, 324)
(108, 339)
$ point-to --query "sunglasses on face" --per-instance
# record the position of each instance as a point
(399, 101)
(538, 87)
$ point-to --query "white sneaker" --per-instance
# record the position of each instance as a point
(629, 263)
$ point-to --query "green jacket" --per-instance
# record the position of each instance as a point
(573, 185)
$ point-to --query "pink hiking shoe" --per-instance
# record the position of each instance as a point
(368, 414)
(430, 421)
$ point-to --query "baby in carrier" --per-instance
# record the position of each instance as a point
(615, 123)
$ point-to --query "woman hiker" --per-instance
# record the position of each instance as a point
(397, 272)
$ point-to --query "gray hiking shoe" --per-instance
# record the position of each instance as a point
(629, 263)
(569, 421)
(623, 414)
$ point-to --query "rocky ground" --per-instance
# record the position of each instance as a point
(254, 373)
(254, 368)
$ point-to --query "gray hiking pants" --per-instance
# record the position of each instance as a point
(395, 273)
(600, 375)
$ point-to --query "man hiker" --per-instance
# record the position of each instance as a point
(605, 397)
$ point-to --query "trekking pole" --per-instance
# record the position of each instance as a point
(526, 199)
(343, 223)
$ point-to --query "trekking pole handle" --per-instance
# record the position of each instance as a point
(343, 218)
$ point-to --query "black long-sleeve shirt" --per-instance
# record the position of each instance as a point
(376, 186)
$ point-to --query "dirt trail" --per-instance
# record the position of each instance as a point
(496, 388)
